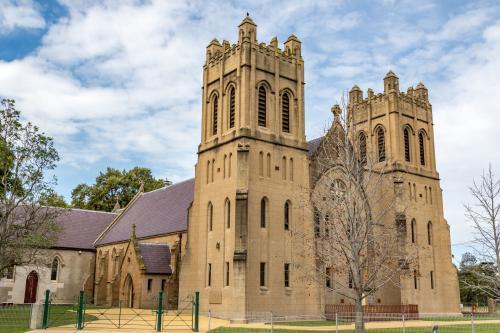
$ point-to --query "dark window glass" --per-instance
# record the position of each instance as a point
(227, 273)
(350, 280)
(263, 209)
(287, 216)
(429, 233)
(328, 277)
(163, 282)
(209, 275)
(287, 275)
(210, 216)
(432, 280)
(285, 113)
(54, 269)
(413, 231)
(415, 279)
(150, 284)
(262, 274)
(262, 107)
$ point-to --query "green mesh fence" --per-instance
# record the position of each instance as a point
(15, 318)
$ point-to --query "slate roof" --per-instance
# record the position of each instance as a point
(313, 145)
(158, 212)
(81, 227)
(156, 258)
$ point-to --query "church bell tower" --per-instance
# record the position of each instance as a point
(252, 180)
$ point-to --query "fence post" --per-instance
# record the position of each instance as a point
(159, 311)
(336, 323)
(79, 312)
(209, 318)
(196, 310)
(404, 324)
(472, 322)
(272, 322)
(45, 322)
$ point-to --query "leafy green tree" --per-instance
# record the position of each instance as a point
(114, 186)
(53, 199)
(26, 155)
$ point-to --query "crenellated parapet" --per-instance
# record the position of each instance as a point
(247, 40)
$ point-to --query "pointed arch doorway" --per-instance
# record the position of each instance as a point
(129, 291)
(31, 288)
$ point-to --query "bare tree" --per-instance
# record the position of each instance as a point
(483, 214)
(25, 225)
(359, 218)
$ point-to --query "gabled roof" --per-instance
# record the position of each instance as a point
(313, 145)
(158, 212)
(156, 258)
(81, 227)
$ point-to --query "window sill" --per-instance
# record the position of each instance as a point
(263, 290)
(288, 290)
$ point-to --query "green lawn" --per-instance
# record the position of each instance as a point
(310, 323)
(16, 319)
(481, 328)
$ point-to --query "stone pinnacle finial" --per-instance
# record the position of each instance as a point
(336, 112)
(117, 206)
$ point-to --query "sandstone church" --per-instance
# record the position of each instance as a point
(228, 233)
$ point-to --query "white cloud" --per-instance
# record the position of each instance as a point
(19, 14)
(120, 80)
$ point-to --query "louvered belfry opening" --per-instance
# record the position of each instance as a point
(422, 149)
(406, 135)
(231, 107)
(381, 145)
(362, 148)
(262, 106)
(215, 114)
(285, 113)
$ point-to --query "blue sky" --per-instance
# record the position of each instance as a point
(117, 83)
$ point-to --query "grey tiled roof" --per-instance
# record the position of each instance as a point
(158, 212)
(80, 227)
(156, 258)
(313, 145)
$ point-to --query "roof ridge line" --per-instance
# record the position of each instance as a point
(168, 187)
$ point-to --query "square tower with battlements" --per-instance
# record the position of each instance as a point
(251, 183)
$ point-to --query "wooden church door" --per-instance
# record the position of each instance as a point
(31, 287)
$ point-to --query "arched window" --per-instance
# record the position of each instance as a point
(381, 144)
(212, 171)
(287, 216)
(285, 113)
(283, 168)
(54, 269)
(261, 164)
(229, 165)
(317, 223)
(210, 216)
(291, 169)
(262, 107)
(362, 147)
(232, 106)
(415, 279)
(406, 135)
(413, 231)
(228, 213)
(429, 233)
(208, 172)
(224, 167)
(268, 166)
(422, 148)
(263, 212)
(215, 110)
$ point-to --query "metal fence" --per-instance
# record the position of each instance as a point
(377, 323)
(15, 317)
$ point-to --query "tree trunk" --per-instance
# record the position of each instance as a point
(359, 322)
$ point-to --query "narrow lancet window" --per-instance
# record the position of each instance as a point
(215, 106)
(232, 106)
(406, 135)
(262, 107)
(285, 113)
(381, 144)
(422, 148)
